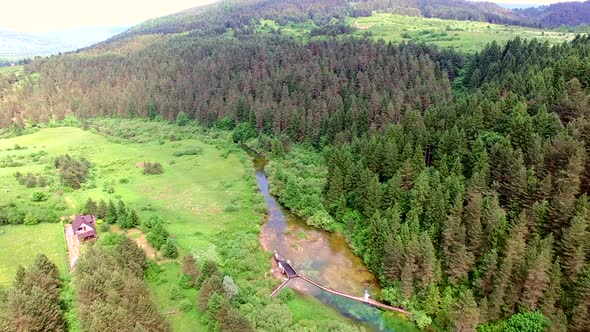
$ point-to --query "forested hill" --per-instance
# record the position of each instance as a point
(563, 13)
(229, 15)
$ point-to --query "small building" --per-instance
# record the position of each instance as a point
(84, 227)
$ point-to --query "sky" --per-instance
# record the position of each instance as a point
(43, 15)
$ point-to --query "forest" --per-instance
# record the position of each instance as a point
(462, 181)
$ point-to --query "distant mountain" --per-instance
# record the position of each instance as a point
(14, 44)
(518, 5)
(562, 13)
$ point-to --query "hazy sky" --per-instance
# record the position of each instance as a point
(41, 15)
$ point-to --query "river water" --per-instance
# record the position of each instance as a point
(321, 256)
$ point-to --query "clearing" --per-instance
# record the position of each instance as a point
(20, 244)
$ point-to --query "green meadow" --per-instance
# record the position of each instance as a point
(19, 244)
(465, 36)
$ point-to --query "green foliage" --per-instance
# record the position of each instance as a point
(38, 196)
(131, 220)
(121, 270)
(73, 172)
(152, 168)
(175, 293)
(170, 249)
(185, 305)
(243, 133)
(182, 119)
(192, 151)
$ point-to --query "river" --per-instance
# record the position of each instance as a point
(323, 257)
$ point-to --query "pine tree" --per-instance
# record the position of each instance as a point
(538, 275)
(378, 233)
(90, 208)
(112, 214)
(406, 281)
(465, 313)
(427, 262)
(102, 210)
(371, 198)
(472, 215)
(190, 268)
(457, 258)
(170, 250)
(130, 221)
(211, 285)
(393, 258)
(574, 245)
(121, 212)
(581, 297)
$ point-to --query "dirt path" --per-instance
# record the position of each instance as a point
(362, 26)
(73, 245)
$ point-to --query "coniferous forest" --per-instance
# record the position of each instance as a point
(462, 181)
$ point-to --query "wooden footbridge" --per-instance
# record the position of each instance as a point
(287, 269)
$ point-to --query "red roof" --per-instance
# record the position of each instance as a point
(84, 226)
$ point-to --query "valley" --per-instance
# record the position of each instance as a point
(429, 158)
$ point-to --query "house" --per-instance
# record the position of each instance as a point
(84, 227)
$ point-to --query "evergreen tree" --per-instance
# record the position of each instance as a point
(112, 214)
(102, 210)
(90, 208)
(121, 211)
(170, 250)
(575, 245)
(190, 268)
(465, 313)
(130, 221)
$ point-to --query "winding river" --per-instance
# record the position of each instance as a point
(323, 257)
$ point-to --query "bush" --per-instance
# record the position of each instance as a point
(38, 196)
(105, 228)
(175, 293)
(182, 119)
(192, 151)
(152, 168)
(31, 218)
(286, 295)
(185, 305)
(170, 250)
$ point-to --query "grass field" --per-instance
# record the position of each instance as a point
(19, 244)
(9, 70)
(466, 36)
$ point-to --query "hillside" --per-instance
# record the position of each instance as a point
(564, 13)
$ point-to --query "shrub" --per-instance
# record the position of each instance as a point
(38, 196)
(175, 293)
(31, 218)
(185, 305)
(152, 168)
(105, 228)
(182, 119)
(170, 250)
(286, 295)
(192, 151)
